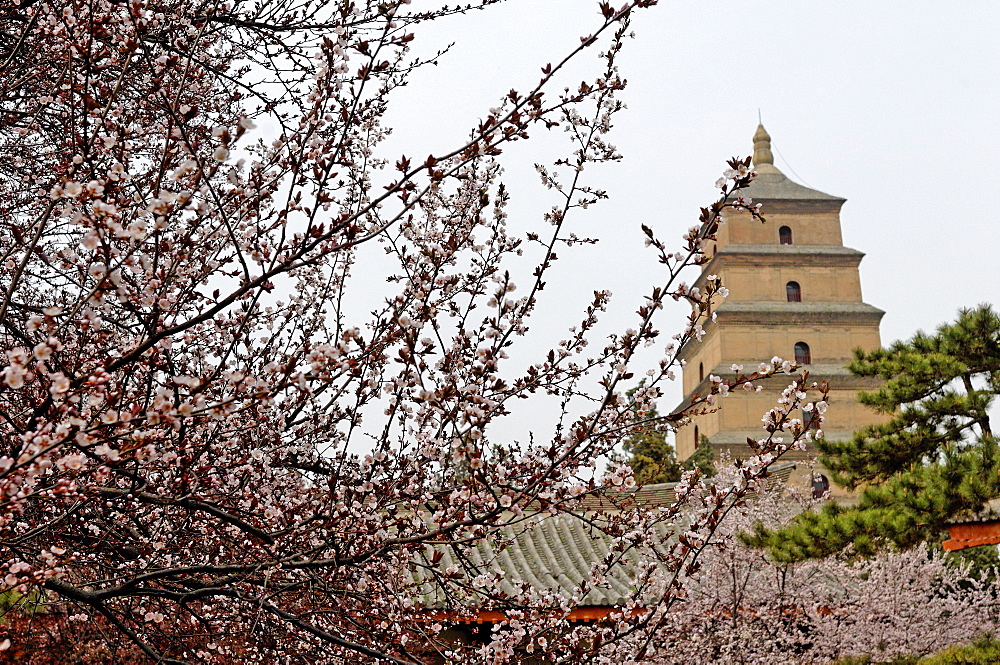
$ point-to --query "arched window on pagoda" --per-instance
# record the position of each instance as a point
(785, 235)
(701, 371)
(697, 437)
(802, 355)
(793, 291)
(820, 485)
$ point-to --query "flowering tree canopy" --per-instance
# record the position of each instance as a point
(747, 608)
(202, 450)
(934, 460)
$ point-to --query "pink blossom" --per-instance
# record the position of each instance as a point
(14, 376)
(72, 462)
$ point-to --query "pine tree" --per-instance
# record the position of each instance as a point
(934, 459)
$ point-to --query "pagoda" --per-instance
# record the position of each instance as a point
(794, 292)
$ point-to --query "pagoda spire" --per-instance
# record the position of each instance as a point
(770, 183)
(762, 147)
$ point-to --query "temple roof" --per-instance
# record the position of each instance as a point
(770, 183)
(557, 552)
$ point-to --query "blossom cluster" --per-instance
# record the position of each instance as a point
(745, 608)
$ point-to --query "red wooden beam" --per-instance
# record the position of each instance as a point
(972, 535)
(581, 614)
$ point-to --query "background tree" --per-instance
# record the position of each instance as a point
(654, 459)
(651, 456)
(208, 455)
(702, 458)
(746, 608)
(934, 458)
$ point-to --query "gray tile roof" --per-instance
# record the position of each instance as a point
(990, 512)
(556, 552)
(773, 185)
(549, 552)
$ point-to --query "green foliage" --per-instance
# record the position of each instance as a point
(702, 458)
(651, 456)
(868, 660)
(983, 561)
(934, 459)
(11, 600)
(984, 651)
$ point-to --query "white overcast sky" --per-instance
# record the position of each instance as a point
(891, 105)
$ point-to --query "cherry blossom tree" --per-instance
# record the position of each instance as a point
(745, 607)
(205, 455)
